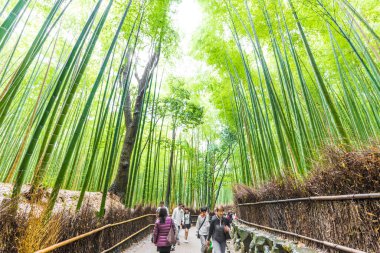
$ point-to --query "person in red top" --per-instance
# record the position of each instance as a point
(161, 231)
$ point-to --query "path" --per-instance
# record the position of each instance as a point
(145, 246)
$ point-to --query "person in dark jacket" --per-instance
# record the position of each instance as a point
(219, 227)
(230, 216)
(161, 231)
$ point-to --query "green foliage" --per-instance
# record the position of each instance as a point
(285, 108)
(178, 106)
(279, 82)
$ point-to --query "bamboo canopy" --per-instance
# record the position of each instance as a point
(120, 98)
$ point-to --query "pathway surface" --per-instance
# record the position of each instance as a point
(145, 246)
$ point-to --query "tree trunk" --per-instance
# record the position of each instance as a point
(120, 183)
(168, 186)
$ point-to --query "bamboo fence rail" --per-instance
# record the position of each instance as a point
(126, 239)
(76, 238)
(319, 198)
(324, 243)
(348, 197)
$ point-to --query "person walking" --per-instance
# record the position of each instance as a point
(219, 231)
(202, 228)
(162, 205)
(178, 217)
(187, 223)
(229, 216)
(161, 231)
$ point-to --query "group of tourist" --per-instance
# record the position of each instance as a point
(211, 228)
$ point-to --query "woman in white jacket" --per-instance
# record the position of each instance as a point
(202, 228)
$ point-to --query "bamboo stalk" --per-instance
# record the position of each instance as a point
(325, 243)
(74, 239)
(363, 196)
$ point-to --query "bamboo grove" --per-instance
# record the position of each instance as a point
(86, 103)
(63, 100)
(297, 88)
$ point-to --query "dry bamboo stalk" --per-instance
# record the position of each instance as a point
(126, 239)
(364, 196)
(71, 240)
(325, 243)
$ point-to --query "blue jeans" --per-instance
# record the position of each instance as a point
(218, 247)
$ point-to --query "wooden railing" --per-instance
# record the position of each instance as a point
(254, 213)
(319, 198)
(95, 231)
(324, 243)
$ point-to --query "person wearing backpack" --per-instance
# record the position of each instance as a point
(164, 228)
(202, 228)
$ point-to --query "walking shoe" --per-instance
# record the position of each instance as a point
(186, 241)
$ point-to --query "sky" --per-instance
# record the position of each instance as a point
(187, 18)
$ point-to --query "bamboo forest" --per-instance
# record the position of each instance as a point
(268, 108)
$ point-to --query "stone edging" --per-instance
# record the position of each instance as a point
(246, 239)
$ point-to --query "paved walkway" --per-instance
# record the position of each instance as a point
(193, 246)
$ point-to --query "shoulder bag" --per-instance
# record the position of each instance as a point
(172, 234)
(198, 235)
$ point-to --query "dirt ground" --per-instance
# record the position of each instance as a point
(67, 200)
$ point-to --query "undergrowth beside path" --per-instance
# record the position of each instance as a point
(26, 232)
(352, 223)
(337, 173)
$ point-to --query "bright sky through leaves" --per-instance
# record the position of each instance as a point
(187, 18)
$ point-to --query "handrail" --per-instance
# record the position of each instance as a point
(76, 238)
(325, 243)
(126, 239)
(319, 198)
